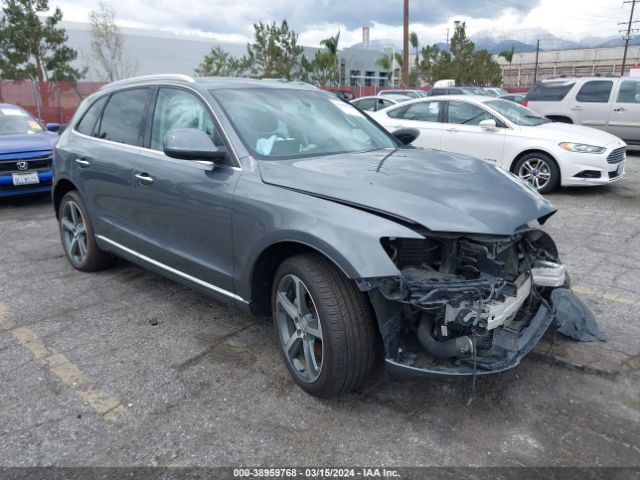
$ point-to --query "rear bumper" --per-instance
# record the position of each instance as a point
(7, 188)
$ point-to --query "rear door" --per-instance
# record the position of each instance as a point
(105, 155)
(624, 121)
(591, 104)
(462, 132)
(183, 208)
(425, 116)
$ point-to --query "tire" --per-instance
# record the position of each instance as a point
(347, 347)
(88, 258)
(525, 168)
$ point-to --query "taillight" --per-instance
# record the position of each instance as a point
(525, 103)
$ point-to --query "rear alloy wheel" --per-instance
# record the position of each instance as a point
(324, 324)
(76, 233)
(539, 170)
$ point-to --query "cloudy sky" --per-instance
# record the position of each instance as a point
(231, 20)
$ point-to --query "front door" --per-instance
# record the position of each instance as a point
(462, 133)
(184, 208)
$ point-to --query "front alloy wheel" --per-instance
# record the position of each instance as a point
(299, 328)
(539, 170)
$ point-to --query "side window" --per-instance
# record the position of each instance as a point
(88, 122)
(455, 91)
(177, 108)
(123, 117)
(366, 104)
(396, 112)
(423, 111)
(464, 113)
(596, 91)
(549, 92)
(382, 103)
(629, 91)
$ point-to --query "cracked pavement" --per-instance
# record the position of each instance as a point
(207, 387)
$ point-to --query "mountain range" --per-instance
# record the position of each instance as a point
(522, 40)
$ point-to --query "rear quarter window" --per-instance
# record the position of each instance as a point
(549, 92)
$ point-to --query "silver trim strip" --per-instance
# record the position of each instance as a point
(186, 276)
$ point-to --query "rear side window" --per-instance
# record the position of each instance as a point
(549, 92)
(88, 122)
(423, 111)
(597, 91)
(629, 92)
(123, 117)
(366, 104)
(438, 91)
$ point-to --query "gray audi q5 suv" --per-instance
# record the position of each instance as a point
(283, 199)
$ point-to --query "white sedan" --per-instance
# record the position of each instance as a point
(544, 153)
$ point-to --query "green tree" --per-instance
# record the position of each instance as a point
(331, 44)
(106, 52)
(485, 70)
(462, 49)
(219, 63)
(413, 40)
(320, 70)
(275, 52)
(508, 54)
(434, 64)
(32, 47)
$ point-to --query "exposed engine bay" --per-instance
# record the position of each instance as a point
(466, 304)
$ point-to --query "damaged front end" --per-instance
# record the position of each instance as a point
(466, 304)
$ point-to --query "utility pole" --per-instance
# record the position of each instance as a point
(535, 73)
(447, 37)
(627, 37)
(404, 75)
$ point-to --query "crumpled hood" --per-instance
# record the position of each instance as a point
(441, 191)
(26, 142)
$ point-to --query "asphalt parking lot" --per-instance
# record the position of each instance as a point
(86, 379)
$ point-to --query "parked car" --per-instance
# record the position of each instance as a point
(346, 95)
(375, 103)
(543, 153)
(611, 104)
(434, 92)
(495, 91)
(514, 97)
(279, 198)
(403, 92)
(25, 152)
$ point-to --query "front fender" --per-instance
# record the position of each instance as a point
(265, 215)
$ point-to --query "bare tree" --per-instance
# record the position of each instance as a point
(106, 53)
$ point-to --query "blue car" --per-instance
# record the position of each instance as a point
(26, 152)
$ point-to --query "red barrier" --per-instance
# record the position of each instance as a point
(50, 101)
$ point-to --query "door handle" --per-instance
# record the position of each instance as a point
(83, 162)
(452, 130)
(144, 178)
(620, 109)
(577, 107)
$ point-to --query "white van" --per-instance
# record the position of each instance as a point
(444, 83)
(608, 103)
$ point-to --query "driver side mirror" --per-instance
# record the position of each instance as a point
(488, 124)
(191, 144)
(406, 135)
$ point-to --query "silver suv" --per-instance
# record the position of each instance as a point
(608, 103)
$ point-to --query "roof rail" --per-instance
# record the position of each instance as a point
(143, 78)
(599, 75)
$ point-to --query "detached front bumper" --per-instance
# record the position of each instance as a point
(510, 348)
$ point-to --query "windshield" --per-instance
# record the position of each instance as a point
(517, 113)
(14, 120)
(287, 123)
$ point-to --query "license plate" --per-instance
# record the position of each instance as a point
(620, 169)
(25, 178)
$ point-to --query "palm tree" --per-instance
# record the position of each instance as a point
(331, 45)
(413, 39)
